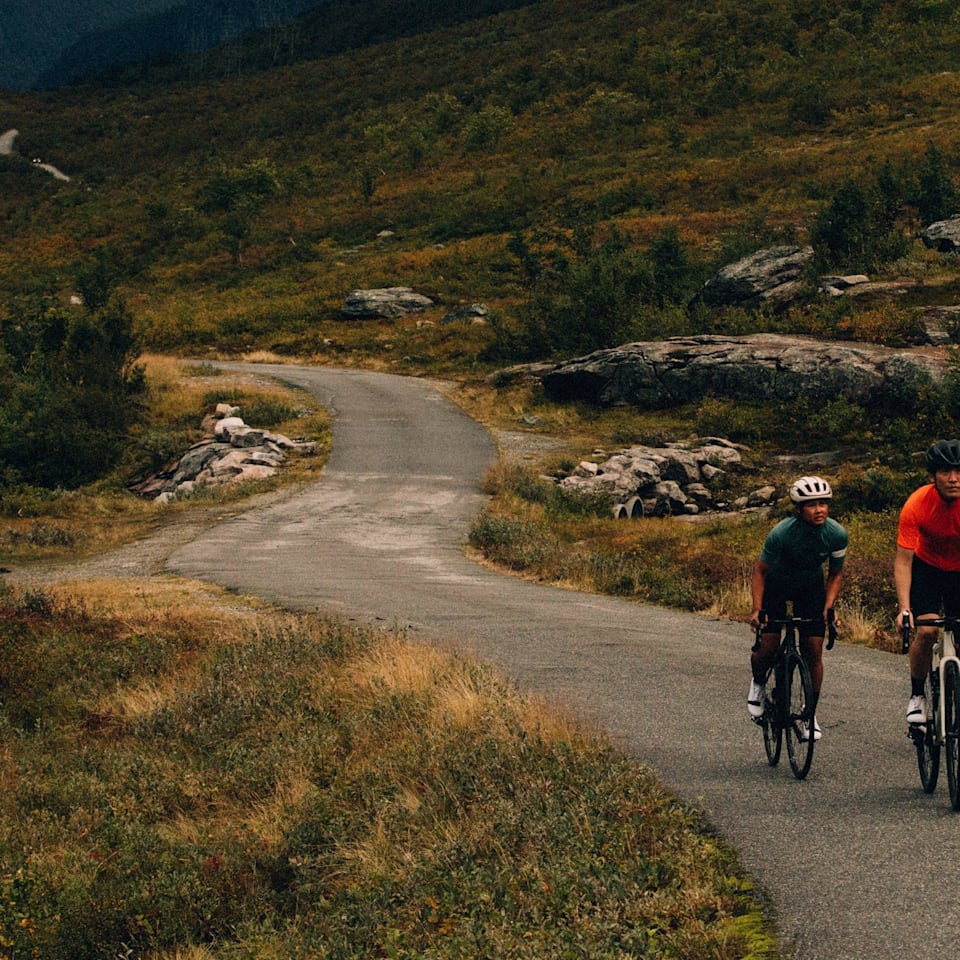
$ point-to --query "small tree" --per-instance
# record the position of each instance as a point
(936, 193)
(235, 198)
(857, 230)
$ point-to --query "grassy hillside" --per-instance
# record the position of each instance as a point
(236, 214)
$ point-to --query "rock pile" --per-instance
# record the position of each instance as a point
(230, 452)
(662, 481)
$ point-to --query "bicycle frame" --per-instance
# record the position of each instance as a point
(944, 652)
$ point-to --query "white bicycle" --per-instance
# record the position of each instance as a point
(942, 691)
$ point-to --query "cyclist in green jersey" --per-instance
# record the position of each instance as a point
(790, 568)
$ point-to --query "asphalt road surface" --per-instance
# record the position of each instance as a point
(858, 863)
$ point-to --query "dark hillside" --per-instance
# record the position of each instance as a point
(191, 27)
(237, 213)
(33, 32)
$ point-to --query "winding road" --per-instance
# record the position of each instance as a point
(857, 861)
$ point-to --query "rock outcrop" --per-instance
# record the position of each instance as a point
(383, 303)
(944, 235)
(773, 276)
(230, 452)
(771, 367)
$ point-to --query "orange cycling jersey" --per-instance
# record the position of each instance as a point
(930, 527)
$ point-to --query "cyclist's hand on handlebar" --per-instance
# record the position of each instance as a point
(833, 622)
(757, 619)
(905, 622)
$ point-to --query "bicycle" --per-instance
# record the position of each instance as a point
(789, 708)
(942, 692)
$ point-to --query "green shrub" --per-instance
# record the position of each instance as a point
(858, 231)
(70, 395)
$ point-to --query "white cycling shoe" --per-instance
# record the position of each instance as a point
(917, 710)
(817, 732)
(755, 699)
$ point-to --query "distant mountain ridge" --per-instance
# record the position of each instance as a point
(247, 36)
(187, 28)
(43, 46)
(34, 32)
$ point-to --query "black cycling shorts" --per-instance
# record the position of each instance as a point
(809, 604)
(933, 590)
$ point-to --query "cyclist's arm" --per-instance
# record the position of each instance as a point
(760, 571)
(902, 578)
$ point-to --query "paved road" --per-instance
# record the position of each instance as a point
(857, 861)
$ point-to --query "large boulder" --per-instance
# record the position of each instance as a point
(383, 303)
(772, 276)
(757, 367)
(944, 235)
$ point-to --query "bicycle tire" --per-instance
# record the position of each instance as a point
(927, 738)
(772, 727)
(951, 708)
(799, 715)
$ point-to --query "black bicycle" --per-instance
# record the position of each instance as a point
(788, 710)
(942, 691)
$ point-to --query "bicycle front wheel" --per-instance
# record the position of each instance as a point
(799, 721)
(951, 710)
(926, 738)
(772, 728)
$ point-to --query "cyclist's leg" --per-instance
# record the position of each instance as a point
(810, 607)
(811, 648)
(926, 596)
(761, 660)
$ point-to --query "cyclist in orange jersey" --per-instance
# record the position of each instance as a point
(926, 570)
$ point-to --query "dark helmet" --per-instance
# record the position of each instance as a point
(944, 455)
(807, 489)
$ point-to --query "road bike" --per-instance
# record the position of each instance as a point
(788, 710)
(942, 692)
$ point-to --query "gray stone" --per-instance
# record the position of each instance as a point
(770, 367)
(944, 235)
(467, 312)
(384, 303)
(772, 276)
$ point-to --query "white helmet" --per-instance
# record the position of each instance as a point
(810, 488)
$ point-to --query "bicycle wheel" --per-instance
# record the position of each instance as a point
(926, 738)
(772, 726)
(799, 723)
(951, 710)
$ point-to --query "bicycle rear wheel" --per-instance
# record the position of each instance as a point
(799, 724)
(926, 738)
(951, 709)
